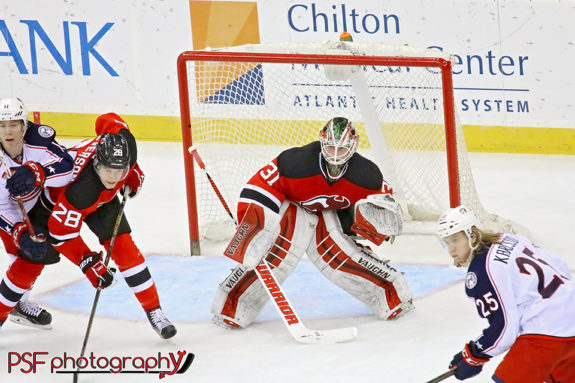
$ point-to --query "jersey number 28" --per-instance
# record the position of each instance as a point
(69, 218)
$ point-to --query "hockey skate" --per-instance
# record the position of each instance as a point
(30, 314)
(161, 324)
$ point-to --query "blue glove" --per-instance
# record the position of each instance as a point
(467, 362)
(33, 251)
(25, 178)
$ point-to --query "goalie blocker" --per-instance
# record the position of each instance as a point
(354, 268)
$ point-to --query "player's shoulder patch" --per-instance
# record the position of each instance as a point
(470, 280)
(46, 131)
(39, 135)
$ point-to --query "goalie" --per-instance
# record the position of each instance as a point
(315, 199)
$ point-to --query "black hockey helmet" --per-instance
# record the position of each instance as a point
(112, 152)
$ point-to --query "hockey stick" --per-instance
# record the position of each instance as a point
(99, 289)
(443, 376)
(23, 211)
(290, 318)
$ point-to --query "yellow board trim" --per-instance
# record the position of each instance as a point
(498, 139)
(81, 125)
(506, 139)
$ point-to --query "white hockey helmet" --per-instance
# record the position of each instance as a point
(338, 141)
(13, 109)
(460, 218)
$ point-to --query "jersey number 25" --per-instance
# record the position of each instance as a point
(524, 264)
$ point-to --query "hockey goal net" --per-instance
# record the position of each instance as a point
(241, 106)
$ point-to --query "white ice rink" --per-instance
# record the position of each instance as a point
(535, 190)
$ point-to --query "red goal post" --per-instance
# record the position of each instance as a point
(242, 105)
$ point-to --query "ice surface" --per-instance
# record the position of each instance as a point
(534, 190)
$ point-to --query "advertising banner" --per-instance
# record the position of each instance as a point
(512, 59)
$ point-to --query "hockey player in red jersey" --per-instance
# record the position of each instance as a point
(104, 166)
(314, 199)
(526, 294)
(31, 161)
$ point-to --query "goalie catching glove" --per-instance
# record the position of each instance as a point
(377, 218)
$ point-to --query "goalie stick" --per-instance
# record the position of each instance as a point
(280, 301)
(443, 376)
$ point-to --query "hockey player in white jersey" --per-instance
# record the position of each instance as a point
(526, 294)
(31, 160)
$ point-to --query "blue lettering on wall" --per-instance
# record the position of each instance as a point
(34, 28)
(87, 48)
(12, 50)
(494, 105)
(488, 64)
(304, 18)
(37, 34)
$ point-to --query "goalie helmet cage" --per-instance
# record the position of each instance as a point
(240, 106)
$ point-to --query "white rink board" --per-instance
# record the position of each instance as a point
(514, 58)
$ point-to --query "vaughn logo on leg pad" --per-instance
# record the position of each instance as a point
(162, 364)
(252, 224)
(236, 241)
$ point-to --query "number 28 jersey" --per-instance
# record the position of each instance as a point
(521, 289)
(299, 175)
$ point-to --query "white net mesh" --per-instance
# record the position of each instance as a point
(244, 114)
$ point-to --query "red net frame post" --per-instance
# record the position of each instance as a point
(214, 56)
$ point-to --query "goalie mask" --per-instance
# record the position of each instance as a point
(112, 159)
(338, 144)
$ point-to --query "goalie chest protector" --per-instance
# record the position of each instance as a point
(303, 179)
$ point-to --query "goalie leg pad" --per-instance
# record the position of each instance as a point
(241, 296)
(358, 271)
